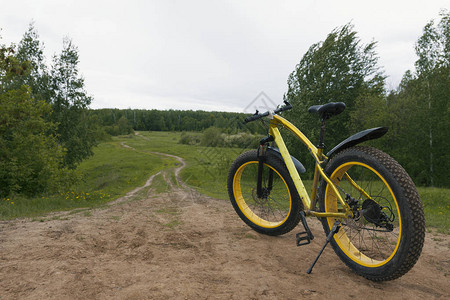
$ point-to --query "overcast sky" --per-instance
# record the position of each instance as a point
(209, 55)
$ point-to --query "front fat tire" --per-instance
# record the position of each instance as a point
(250, 209)
(411, 222)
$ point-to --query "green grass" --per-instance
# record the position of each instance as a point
(173, 224)
(115, 170)
(159, 185)
(110, 173)
(207, 167)
(436, 203)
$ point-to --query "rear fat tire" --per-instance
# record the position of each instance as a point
(412, 229)
(240, 199)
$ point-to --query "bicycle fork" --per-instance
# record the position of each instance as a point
(261, 159)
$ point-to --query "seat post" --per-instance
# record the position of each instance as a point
(322, 134)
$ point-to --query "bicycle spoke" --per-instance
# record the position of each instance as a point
(369, 233)
(273, 205)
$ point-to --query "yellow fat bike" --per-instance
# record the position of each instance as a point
(368, 205)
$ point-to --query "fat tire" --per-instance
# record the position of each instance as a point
(410, 207)
(296, 205)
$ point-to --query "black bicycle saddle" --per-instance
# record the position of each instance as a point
(328, 110)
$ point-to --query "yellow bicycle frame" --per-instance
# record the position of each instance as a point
(318, 156)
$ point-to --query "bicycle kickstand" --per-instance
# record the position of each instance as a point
(333, 231)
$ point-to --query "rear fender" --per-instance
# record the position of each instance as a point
(362, 136)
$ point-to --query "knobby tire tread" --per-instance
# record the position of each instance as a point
(414, 205)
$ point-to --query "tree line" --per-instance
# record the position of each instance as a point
(124, 121)
(47, 127)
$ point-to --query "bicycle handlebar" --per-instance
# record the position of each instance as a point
(257, 115)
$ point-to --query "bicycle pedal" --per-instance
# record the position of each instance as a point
(303, 238)
(305, 225)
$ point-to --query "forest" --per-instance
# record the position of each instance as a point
(122, 121)
(47, 127)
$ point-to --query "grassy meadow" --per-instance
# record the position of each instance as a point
(116, 169)
(111, 172)
(207, 167)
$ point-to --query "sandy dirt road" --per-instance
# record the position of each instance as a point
(184, 245)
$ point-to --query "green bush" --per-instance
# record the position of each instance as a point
(212, 137)
(241, 140)
(190, 138)
(31, 158)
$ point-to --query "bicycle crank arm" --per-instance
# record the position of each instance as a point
(333, 231)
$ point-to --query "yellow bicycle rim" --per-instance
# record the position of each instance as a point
(243, 203)
(347, 237)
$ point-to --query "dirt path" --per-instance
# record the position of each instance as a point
(184, 245)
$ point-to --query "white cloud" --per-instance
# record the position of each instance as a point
(212, 55)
